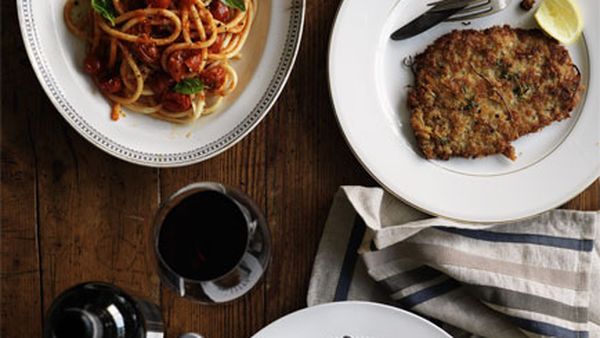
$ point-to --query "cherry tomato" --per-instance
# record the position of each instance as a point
(146, 52)
(216, 46)
(159, 3)
(111, 85)
(92, 65)
(161, 83)
(175, 65)
(194, 61)
(220, 11)
(183, 62)
(176, 102)
(186, 3)
(213, 77)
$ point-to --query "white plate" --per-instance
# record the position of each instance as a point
(268, 56)
(351, 320)
(368, 85)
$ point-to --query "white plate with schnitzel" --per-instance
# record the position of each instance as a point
(370, 83)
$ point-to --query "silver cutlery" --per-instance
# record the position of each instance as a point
(449, 10)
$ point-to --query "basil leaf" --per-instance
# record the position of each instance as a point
(106, 9)
(239, 4)
(189, 86)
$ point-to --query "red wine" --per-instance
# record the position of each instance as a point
(204, 236)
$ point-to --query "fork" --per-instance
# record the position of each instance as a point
(450, 10)
(471, 9)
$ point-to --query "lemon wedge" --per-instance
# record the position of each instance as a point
(561, 19)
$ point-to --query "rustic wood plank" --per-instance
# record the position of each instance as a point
(307, 161)
(95, 212)
(589, 200)
(242, 167)
(20, 294)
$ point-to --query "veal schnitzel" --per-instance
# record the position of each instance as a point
(477, 91)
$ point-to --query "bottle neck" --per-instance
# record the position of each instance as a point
(75, 322)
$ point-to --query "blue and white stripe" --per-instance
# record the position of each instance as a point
(530, 278)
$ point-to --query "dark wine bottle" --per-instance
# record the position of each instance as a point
(99, 310)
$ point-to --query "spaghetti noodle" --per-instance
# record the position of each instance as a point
(169, 59)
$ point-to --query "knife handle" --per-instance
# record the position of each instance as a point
(423, 23)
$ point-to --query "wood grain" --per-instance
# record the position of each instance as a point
(589, 200)
(95, 213)
(20, 290)
(307, 161)
(71, 213)
(84, 213)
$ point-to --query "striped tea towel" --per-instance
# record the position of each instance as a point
(534, 278)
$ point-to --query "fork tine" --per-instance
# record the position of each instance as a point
(435, 3)
(455, 4)
(475, 9)
(478, 11)
(480, 4)
(468, 17)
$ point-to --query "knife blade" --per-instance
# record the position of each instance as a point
(425, 21)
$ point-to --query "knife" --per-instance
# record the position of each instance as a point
(432, 17)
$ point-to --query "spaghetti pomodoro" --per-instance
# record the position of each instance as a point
(169, 59)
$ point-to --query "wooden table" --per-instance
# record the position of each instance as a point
(71, 213)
